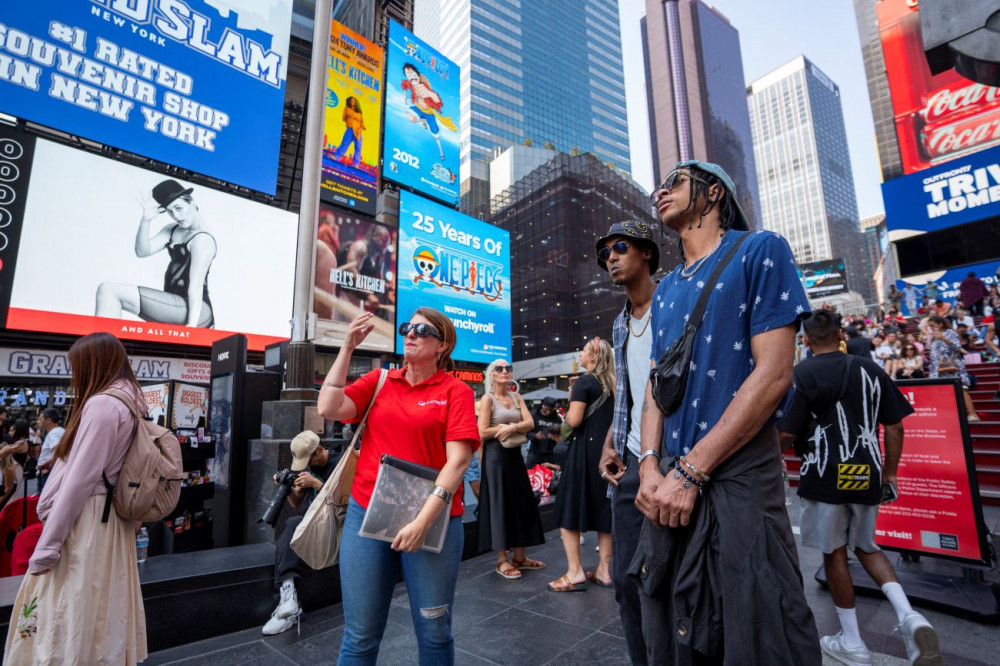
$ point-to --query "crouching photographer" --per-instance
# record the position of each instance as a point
(311, 466)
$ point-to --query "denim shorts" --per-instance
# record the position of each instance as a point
(474, 472)
(827, 527)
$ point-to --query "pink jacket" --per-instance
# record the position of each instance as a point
(100, 445)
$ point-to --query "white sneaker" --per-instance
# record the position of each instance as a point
(278, 625)
(922, 646)
(834, 646)
(289, 604)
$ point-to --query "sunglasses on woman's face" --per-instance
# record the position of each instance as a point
(502, 368)
(420, 330)
(620, 248)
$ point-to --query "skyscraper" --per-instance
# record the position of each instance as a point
(521, 86)
(696, 93)
(804, 169)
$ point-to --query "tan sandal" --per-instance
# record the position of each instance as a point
(512, 573)
(564, 584)
(528, 563)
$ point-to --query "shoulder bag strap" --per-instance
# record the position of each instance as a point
(706, 292)
(356, 441)
(594, 406)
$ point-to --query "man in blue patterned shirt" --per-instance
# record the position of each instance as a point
(630, 256)
(716, 562)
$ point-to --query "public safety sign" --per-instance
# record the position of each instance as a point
(458, 265)
(938, 511)
(198, 84)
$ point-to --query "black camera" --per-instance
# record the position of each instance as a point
(285, 478)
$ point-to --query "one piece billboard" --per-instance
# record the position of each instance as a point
(458, 265)
(104, 246)
(352, 122)
(938, 117)
(355, 273)
(198, 84)
(420, 148)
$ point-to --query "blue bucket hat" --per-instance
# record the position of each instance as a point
(741, 223)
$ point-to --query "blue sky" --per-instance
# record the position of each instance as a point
(771, 34)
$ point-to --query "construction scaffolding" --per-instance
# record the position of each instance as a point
(555, 215)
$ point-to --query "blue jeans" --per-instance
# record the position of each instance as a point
(369, 570)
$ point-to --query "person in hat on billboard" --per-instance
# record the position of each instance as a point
(630, 256)
(184, 299)
(315, 464)
(716, 563)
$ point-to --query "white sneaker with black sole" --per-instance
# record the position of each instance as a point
(287, 614)
(922, 645)
(834, 646)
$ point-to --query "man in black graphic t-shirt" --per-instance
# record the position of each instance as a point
(840, 402)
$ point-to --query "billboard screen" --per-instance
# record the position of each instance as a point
(938, 511)
(355, 272)
(938, 118)
(352, 122)
(420, 147)
(105, 246)
(823, 278)
(458, 265)
(194, 84)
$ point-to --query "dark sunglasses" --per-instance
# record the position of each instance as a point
(673, 179)
(503, 368)
(420, 330)
(621, 247)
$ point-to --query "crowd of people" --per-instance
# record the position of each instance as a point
(670, 450)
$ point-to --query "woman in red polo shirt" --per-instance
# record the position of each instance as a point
(426, 416)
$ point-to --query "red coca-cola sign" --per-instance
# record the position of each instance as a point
(938, 118)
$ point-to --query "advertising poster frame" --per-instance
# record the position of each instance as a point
(422, 94)
(937, 117)
(899, 524)
(82, 232)
(832, 277)
(460, 266)
(356, 265)
(353, 119)
(191, 84)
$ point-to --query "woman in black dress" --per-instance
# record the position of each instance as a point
(184, 298)
(582, 504)
(508, 509)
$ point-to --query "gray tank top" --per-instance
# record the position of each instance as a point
(501, 415)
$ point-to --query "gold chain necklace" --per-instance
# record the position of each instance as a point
(649, 315)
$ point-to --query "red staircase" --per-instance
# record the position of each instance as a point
(985, 434)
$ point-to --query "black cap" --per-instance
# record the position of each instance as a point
(636, 231)
(548, 402)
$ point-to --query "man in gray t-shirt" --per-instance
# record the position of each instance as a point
(49, 422)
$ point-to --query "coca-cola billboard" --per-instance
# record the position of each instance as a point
(938, 118)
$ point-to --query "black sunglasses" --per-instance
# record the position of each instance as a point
(672, 180)
(503, 368)
(420, 330)
(621, 247)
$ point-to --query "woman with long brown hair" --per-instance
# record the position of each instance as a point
(81, 602)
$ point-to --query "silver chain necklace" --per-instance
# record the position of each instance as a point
(689, 273)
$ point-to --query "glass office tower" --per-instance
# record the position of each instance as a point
(804, 168)
(547, 74)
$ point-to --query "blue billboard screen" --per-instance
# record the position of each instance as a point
(458, 265)
(198, 84)
(420, 149)
(956, 192)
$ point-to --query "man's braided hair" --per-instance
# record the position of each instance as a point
(726, 201)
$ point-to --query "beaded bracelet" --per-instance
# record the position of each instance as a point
(688, 479)
(705, 478)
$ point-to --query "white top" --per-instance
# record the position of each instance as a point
(49, 445)
(637, 353)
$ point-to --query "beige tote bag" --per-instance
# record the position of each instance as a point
(317, 538)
